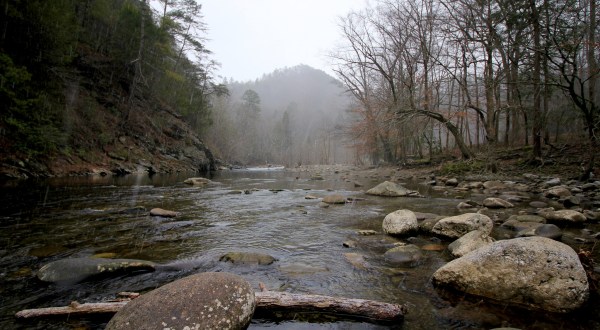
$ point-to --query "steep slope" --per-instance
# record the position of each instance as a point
(102, 134)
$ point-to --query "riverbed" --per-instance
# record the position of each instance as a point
(259, 210)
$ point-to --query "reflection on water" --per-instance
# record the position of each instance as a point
(76, 217)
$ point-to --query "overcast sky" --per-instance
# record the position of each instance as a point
(253, 37)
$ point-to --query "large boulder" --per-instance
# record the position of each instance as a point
(77, 269)
(200, 301)
(390, 189)
(534, 272)
(457, 226)
(469, 242)
(400, 222)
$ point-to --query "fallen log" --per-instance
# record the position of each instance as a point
(74, 309)
(267, 301)
(348, 307)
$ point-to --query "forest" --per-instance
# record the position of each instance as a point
(429, 75)
(77, 77)
(414, 79)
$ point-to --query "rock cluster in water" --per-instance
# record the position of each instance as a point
(528, 266)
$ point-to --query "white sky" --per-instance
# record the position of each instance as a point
(253, 37)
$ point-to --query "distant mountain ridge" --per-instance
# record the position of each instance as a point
(301, 119)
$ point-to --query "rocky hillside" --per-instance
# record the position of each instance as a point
(99, 140)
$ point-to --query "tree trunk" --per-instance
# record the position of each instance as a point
(537, 118)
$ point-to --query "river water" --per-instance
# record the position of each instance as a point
(82, 217)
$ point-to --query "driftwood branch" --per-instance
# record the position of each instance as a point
(73, 309)
(266, 301)
(364, 309)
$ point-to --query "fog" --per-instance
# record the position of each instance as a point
(291, 116)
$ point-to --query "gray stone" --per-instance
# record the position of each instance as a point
(408, 255)
(466, 205)
(532, 177)
(552, 182)
(357, 260)
(469, 242)
(527, 218)
(535, 272)
(428, 224)
(494, 185)
(390, 189)
(557, 192)
(200, 301)
(538, 204)
(564, 216)
(453, 182)
(473, 185)
(571, 201)
(77, 269)
(248, 258)
(457, 226)
(496, 203)
(400, 222)
(197, 181)
(158, 212)
(334, 199)
(549, 231)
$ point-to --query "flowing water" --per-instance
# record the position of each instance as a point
(81, 217)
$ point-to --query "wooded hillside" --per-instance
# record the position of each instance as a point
(103, 85)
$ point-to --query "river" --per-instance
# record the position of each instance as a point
(80, 217)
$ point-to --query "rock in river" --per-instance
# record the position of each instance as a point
(455, 227)
(197, 181)
(77, 269)
(390, 189)
(563, 216)
(334, 199)
(400, 222)
(408, 255)
(158, 212)
(248, 258)
(200, 301)
(534, 272)
(469, 242)
(496, 203)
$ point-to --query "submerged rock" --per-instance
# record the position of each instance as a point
(549, 231)
(534, 272)
(197, 181)
(400, 222)
(457, 226)
(158, 212)
(390, 189)
(248, 258)
(408, 255)
(201, 301)
(357, 260)
(77, 269)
